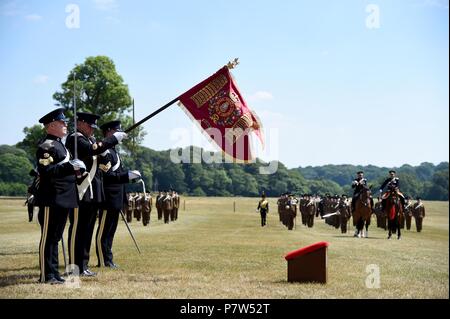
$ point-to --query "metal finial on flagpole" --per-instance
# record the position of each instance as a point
(232, 64)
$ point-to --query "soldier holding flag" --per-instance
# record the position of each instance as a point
(114, 180)
(90, 190)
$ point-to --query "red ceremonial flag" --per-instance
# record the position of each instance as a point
(220, 110)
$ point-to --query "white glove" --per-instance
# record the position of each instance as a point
(77, 164)
(133, 175)
(381, 190)
(120, 136)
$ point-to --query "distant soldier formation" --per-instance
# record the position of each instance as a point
(139, 206)
(393, 210)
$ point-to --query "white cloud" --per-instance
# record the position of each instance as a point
(33, 17)
(260, 96)
(106, 5)
(41, 79)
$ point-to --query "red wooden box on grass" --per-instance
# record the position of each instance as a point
(308, 264)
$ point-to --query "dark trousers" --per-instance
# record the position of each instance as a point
(418, 223)
(166, 213)
(263, 217)
(160, 213)
(408, 221)
(107, 226)
(52, 221)
(81, 230)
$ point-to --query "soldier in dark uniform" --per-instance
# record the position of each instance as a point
(114, 179)
(391, 184)
(57, 192)
(408, 212)
(90, 189)
(358, 184)
(158, 205)
(419, 213)
(263, 207)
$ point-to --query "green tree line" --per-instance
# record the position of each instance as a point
(226, 179)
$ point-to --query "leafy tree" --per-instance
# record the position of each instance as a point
(424, 171)
(31, 140)
(14, 169)
(198, 191)
(101, 90)
(13, 189)
(439, 188)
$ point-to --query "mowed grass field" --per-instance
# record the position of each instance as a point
(213, 252)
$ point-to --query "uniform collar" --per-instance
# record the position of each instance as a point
(53, 137)
(83, 134)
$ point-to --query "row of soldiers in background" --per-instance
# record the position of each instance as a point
(416, 210)
(139, 206)
(287, 210)
(311, 206)
(336, 210)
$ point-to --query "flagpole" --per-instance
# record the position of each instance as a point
(75, 119)
(162, 108)
(230, 65)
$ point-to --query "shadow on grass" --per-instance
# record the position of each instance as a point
(19, 253)
(13, 280)
(348, 236)
(4, 270)
(287, 283)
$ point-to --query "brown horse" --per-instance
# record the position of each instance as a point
(394, 212)
(362, 213)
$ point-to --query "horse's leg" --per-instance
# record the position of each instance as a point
(356, 228)
(399, 234)
(360, 227)
(389, 228)
(367, 229)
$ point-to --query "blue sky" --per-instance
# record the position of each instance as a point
(335, 90)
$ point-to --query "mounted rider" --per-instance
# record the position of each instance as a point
(392, 184)
(358, 184)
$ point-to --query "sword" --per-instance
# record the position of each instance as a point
(129, 230)
(332, 214)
